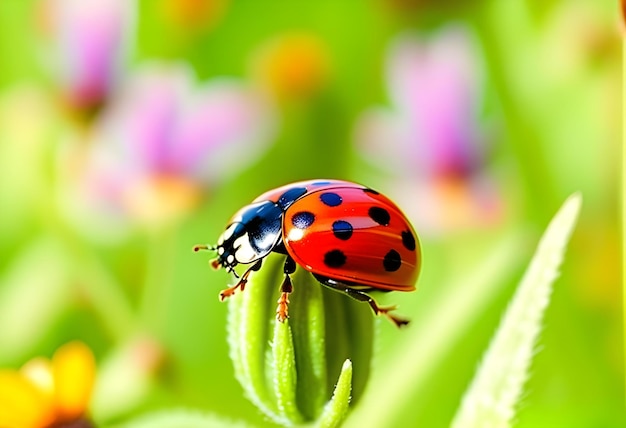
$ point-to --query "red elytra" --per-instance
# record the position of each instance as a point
(365, 239)
(350, 237)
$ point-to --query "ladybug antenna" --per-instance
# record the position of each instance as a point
(215, 263)
(204, 247)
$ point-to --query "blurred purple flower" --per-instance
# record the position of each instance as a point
(162, 139)
(434, 89)
(430, 139)
(91, 39)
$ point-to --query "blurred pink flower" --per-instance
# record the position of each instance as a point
(91, 40)
(162, 139)
(430, 138)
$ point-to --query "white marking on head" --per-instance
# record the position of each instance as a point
(245, 253)
(227, 233)
(220, 250)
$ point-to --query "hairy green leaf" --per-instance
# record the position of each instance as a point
(491, 398)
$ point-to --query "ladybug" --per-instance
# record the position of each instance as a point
(350, 237)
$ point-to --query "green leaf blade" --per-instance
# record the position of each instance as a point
(309, 339)
(285, 376)
(249, 333)
(497, 386)
(336, 409)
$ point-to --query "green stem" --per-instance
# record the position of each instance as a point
(106, 297)
(291, 381)
(104, 292)
(158, 278)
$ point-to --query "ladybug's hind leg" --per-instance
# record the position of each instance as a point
(282, 310)
(359, 295)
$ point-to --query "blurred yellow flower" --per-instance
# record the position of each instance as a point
(193, 15)
(46, 392)
(161, 199)
(292, 66)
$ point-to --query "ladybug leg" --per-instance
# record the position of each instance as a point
(282, 312)
(241, 284)
(362, 297)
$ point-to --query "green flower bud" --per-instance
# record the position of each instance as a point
(309, 368)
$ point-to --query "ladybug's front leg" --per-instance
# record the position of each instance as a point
(241, 284)
(282, 312)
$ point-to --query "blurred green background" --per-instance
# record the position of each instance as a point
(131, 131)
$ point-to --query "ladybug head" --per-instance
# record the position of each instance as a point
(251, 235)
(233, 247)
(226, 249)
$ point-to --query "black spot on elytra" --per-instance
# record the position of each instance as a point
(334, 258)
(372, 191)
(408, 240)
(379, 215)
(303, 219)
(290, 196)
(342, 230)
(331, 199)
(392, 261)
